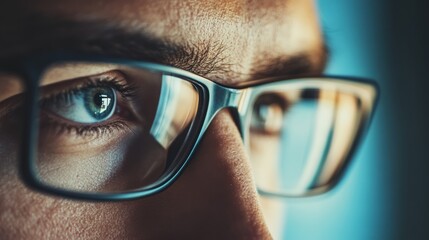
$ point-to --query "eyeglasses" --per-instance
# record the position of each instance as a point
(110, 129)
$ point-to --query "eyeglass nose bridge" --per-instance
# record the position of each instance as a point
(221, 97)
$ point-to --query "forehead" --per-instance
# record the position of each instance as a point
(241, 34)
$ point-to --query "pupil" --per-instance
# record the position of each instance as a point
(100, 102)
(98, 99)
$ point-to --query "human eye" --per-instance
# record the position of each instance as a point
(92, 104)
(269, 112)
(88, 106)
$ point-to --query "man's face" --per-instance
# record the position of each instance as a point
(232, 42)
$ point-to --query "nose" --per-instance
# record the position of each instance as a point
(215, 198)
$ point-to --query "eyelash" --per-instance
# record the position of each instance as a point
(125, 89)
(87, 131)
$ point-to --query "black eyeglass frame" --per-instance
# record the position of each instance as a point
(213, 98)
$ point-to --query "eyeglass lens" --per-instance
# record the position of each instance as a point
(300, 136)
(111, 128)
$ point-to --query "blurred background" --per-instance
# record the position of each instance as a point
(383, 194)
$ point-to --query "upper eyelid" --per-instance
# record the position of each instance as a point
(68, 85)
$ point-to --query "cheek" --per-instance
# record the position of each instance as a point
(105, 164)
(25, 214)
(263, 150)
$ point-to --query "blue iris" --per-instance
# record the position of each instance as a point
(88, 105)
(99, 102)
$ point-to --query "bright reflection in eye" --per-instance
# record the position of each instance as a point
(88, 105)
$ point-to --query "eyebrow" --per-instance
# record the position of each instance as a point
(296, 65)
(205, 58)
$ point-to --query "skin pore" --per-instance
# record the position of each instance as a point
(230, 42)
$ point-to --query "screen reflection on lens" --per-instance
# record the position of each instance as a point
(110, 128)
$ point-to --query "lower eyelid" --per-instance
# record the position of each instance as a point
(72, 142)
(60, 137)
